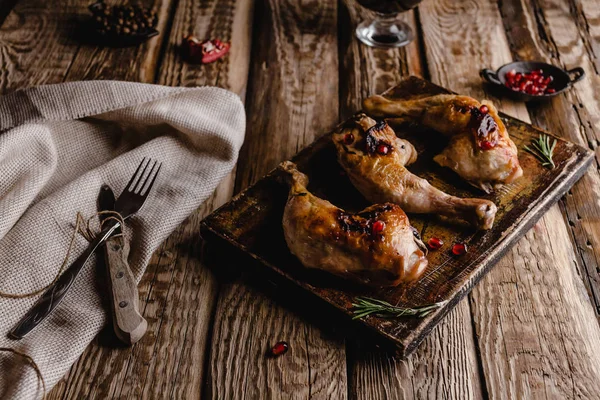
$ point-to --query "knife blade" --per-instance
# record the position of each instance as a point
(129, 325)
(130, 201)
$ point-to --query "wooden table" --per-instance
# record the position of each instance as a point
(528, 330)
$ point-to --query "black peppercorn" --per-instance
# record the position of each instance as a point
(131, 21)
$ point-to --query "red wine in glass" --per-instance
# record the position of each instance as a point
(386, 30)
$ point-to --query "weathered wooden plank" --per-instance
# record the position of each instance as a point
(6, 7)
(179, 292)
(562, 40)
(531, 320)
(39, 45)
(292, 98)
(445, 365)
(38, 34)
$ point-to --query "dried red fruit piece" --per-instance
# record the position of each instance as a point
(435, 243)
(458, 249)
(279, 349)
(378, 226)
(203, 52)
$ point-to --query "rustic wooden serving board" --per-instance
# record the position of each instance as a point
(251, 222)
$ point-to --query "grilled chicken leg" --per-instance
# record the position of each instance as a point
(375, 160)
(376, 246)
(480, 150)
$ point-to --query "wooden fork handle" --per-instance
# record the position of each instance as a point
(128, 323)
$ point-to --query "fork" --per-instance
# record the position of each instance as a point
(129, 202)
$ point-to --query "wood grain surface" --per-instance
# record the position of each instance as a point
(539, 273)
(292, 97)
(177, 291)
(529, 330)
(376, 374)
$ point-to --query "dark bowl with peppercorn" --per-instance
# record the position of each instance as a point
(532, 80)
(120, 26)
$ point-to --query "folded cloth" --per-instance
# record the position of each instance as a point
(58, 145)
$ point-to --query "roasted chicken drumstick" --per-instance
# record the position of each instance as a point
(375, 161)
(480, 150)
(377, 246)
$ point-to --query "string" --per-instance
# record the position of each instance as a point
(84, 228)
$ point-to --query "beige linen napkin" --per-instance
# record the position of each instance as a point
(58, 145)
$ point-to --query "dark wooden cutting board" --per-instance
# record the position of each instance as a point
(251, 222)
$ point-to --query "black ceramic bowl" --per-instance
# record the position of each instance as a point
(563, 79)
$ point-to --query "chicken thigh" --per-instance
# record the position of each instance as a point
(377, 246)
(375, 159)
(479, 148)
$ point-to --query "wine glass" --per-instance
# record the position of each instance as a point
(386, 30)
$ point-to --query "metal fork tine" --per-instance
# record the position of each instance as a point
(141, 179)
(153, 179)
(142, 184)
(129, 185)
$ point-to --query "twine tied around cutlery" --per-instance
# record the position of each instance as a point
(84, 228)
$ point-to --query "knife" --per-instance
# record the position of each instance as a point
(129, 325)
(130, 201)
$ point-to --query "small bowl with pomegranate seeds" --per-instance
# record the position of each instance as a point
(530, 80)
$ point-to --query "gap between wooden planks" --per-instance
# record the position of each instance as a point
(179, 291)
(534, 322)
(445, 365)
(531, 367)
(292, 98)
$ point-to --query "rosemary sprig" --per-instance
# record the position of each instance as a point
(543, 150)
(364, 306)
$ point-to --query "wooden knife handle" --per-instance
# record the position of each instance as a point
(128, 323)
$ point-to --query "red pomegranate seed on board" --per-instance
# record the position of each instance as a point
(383, 149)
(280, 348)
(435, 243)
(378, 226)
(458, 249)
(486, 145)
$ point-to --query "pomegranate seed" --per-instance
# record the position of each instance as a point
(280, 348)
(383, 149)
(378, 226)
(486, 145)
(458, 249)
(523, 85)
(435, 243)
(534, 83)
(349, 138)
(550, 91)
(484, 109)
(511, 74)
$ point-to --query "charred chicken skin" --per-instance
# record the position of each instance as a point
(375, 159)
(377, 246)
(479, 148)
